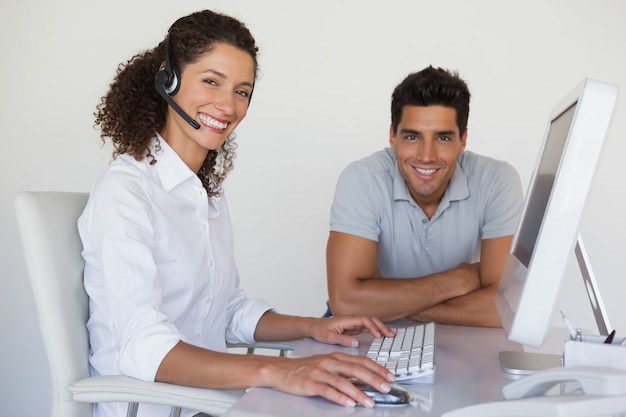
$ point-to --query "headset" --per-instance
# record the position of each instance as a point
(167, 83)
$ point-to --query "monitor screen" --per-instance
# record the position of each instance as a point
(547, 233)
(540, 193)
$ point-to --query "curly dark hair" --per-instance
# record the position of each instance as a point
(431, 87)
(132, 111)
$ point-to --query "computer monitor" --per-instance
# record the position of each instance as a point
(548, 230)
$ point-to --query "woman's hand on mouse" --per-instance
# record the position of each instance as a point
(329, 376)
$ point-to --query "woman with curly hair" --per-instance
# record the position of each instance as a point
(157, 237)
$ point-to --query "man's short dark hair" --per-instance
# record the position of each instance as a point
(432, 87)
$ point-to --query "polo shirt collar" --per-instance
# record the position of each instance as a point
(458, 188)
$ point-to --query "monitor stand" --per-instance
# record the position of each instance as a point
(591, 285)
(525, 363)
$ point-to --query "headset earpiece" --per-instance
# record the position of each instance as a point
(167, 83)
(168, 76)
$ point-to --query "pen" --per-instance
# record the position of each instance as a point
(571, 329)
(609, 338)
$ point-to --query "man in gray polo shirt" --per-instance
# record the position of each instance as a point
(409, 222)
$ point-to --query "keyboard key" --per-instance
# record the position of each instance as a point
(409, 355)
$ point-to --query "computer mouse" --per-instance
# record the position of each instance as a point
(397, 395)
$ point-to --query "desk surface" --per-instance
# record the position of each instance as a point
(467, 372)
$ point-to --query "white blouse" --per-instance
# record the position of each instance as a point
(159, 266)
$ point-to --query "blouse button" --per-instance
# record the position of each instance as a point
(211, 263)
(424, 221)
(199, 336)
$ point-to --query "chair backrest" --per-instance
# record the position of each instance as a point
(52, 249)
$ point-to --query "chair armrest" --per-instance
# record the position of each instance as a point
(283, 347)
(117, 388)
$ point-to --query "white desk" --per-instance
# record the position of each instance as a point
(467, 372)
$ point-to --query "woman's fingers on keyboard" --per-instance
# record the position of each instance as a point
(339, 329)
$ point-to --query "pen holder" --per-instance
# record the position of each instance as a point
(592, 351)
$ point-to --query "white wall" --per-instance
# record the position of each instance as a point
(328, 69)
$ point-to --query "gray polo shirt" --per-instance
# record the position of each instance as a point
(484, 200)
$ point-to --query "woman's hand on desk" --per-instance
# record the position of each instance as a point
(328, 376)
(338, 330)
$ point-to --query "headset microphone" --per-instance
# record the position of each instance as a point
(167, 83)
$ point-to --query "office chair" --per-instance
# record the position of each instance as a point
(52, 247)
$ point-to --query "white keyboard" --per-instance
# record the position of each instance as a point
(410, 355)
